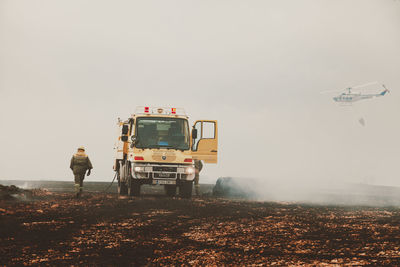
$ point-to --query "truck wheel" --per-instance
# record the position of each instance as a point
(134, 188)
(170, 190)
(122, 189)
(185, 189)
(122, 186)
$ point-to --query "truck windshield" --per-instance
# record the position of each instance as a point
(159, 132)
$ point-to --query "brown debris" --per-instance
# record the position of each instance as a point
(156, 230)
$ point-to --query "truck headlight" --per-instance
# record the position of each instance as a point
(190, 170)
(138, 169)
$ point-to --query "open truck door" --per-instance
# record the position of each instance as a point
(205, 141)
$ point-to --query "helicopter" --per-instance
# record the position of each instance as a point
(349, 97)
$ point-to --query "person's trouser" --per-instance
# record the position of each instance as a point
(79, 183)
(196, 183)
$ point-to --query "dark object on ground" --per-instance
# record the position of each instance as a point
(235, 187)
(10, 192)
(14, 193)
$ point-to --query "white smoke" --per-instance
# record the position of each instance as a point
(332, 193)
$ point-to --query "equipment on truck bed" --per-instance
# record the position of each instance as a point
(155, 146)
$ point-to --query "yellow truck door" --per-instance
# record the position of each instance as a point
(205, 141)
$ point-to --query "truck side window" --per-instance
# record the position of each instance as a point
(199, 133)
(208, 130)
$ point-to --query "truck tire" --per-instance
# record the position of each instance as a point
(122, 189)
(170, 190)
(185, 189)
(134, 188)
(122, 186)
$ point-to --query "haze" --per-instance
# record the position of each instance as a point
(69, 69)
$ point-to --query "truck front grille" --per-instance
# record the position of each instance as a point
(164, 169)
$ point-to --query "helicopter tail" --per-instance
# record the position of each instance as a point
(384, 91)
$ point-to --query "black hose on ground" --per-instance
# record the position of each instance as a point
(115, 176)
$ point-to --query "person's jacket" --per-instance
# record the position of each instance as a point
(80, 163)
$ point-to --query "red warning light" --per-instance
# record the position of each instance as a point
(146, 109)
(173, 110)
(138, 158)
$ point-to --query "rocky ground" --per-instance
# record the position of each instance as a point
(52, 228)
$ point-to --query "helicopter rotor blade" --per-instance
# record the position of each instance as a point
(349, 88)
(330, 91)
(363, 85)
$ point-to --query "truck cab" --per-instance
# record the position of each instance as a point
(156, 146)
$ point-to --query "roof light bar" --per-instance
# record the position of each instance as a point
(160, 110)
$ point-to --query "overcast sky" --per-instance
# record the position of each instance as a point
(69, 69)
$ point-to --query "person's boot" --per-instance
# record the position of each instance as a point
(77, 191)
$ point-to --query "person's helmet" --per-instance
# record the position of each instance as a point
(81, 148)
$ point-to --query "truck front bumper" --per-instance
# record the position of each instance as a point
(162, 173)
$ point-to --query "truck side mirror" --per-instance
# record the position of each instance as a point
(124, 138)
(125, 129)
(194, 133)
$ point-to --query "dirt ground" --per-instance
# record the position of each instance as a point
(55, 229)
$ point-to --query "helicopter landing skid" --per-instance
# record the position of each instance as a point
(346, 104)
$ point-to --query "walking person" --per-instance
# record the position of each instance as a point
(80, 163)
(198, 165)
